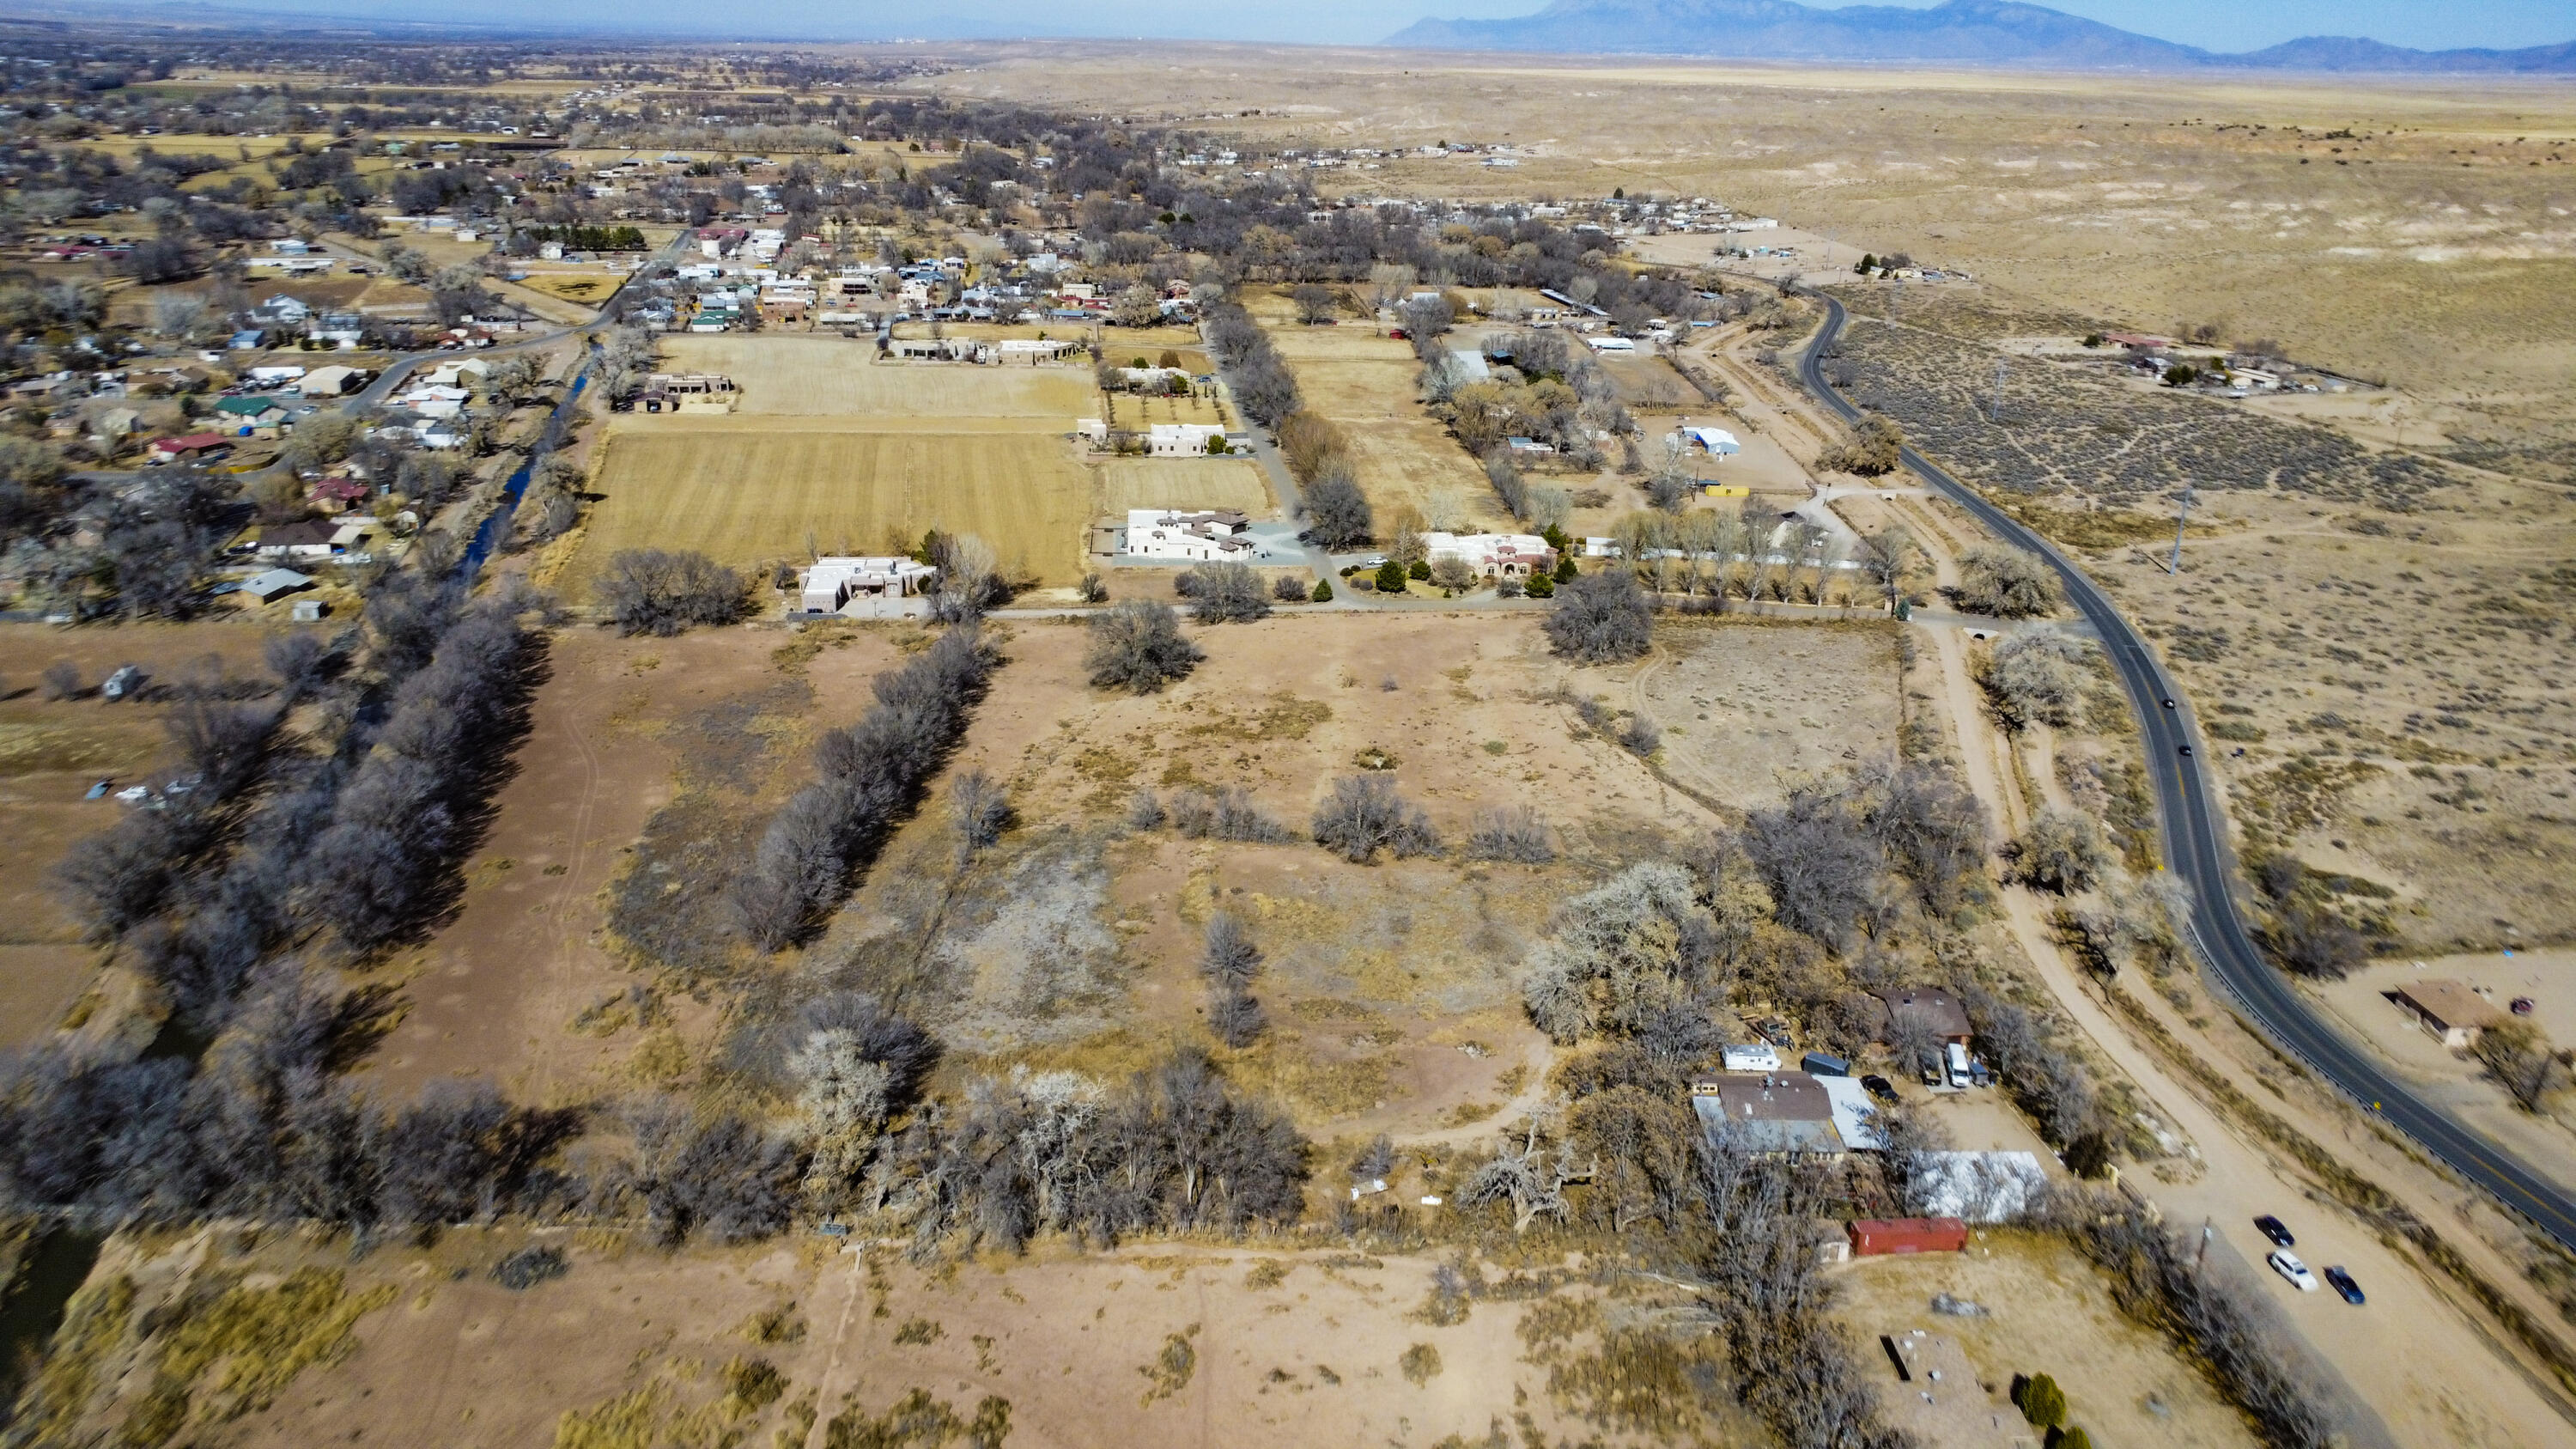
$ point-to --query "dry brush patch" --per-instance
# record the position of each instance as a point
(2058, 430)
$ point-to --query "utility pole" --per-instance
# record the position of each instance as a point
(1995, 410)
(2180, 521)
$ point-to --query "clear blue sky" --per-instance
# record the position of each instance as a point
(2224, 25)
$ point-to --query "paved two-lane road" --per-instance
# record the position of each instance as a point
(2197, 849)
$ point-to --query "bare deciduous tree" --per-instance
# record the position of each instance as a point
(1137, 646)
(1230, 961)
(1337, 513)
(980, 809)
(2040, 674)
(2519, 1057)
(1530, 1174)
(1601, 618)
(2008, 583)
(1621, 955)
(1888, 556)
(2062, 851)
(1226, 593)
(1820, 862)
(654, 591)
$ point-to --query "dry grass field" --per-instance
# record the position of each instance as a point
(1127, 483)
(1750, 706)
(785, 1345)
(1364, 381)
(2046, 1313)
(1072, 945)
(747, 494)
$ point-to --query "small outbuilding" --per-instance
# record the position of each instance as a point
(1880, 1237)
(275, 584)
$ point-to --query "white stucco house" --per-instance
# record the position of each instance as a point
(1493, 555)
(1181, 440)
(836, 579)
(1195, 537)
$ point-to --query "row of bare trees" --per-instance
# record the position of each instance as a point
(873, 772)
(345, 834)
(386, 861)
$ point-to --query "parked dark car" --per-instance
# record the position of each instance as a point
(2270, 1227)
(2341, 1282)
(1879, 1087)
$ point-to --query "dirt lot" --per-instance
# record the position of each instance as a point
(1649, 385)
(1381, 977)
(2048, 1311)
(50, 754)
(1750, 706)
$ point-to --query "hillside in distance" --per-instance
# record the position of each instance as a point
(1977, 32)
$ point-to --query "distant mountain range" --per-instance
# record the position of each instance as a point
(1975, 32)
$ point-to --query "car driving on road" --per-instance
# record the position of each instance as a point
(2285, 1263)
(2272, 1228)
(2343, 1284)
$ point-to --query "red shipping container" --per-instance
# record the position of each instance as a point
(1874, 1236)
